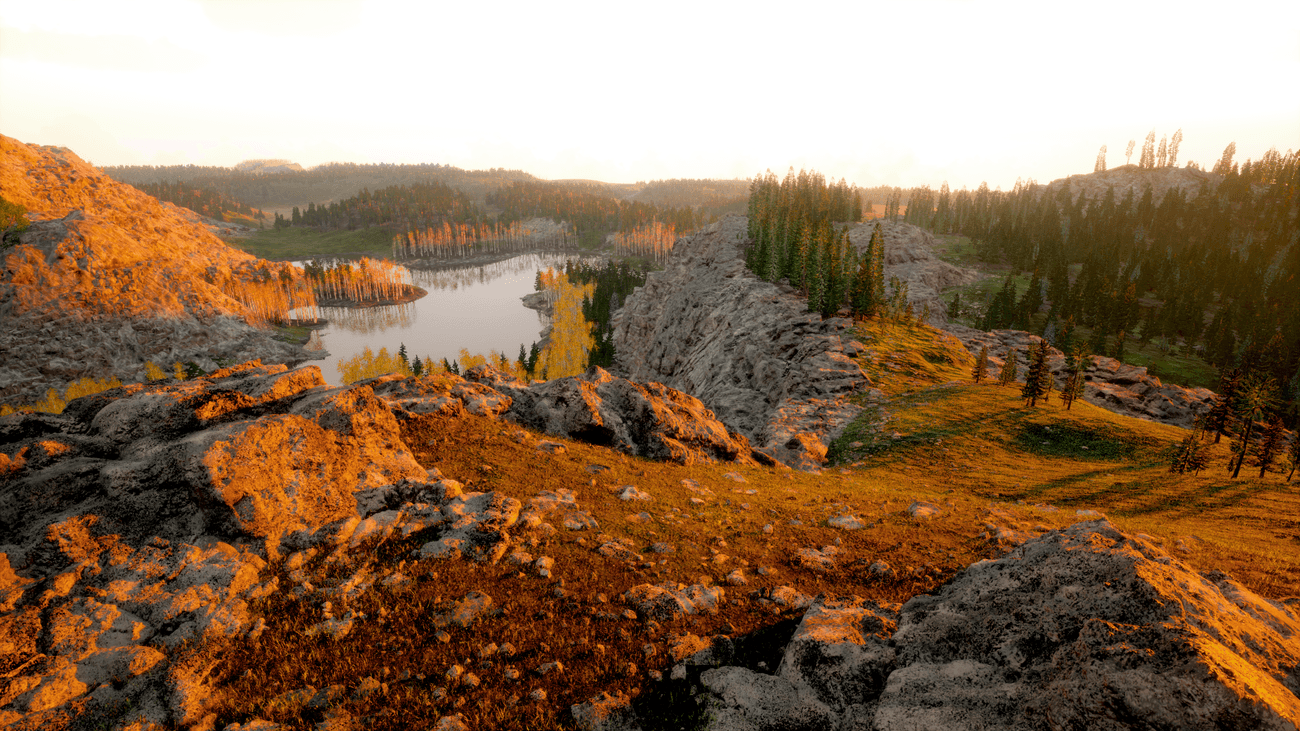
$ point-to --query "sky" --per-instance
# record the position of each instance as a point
(911, 92)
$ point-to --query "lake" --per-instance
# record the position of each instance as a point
(475, 307)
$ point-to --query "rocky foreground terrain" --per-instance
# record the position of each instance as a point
(154, 519)
(107, 278)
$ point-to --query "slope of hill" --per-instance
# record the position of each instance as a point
(1130, 178)
(106, 278)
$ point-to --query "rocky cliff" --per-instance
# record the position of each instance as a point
(748, 349)
(107, 278)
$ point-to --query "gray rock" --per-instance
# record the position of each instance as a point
(739, 699)
(749, 350)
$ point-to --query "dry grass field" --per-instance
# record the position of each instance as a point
(994, 470)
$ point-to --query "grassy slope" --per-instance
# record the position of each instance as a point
(302, 243)
(1169, 366)
(974, 451)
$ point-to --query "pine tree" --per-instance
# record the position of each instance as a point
(1219, 417)
(401, 354)
(417, 368)
(1007, 375)
(1254, 401)
(1037, 374)
(1148, 158)
(1079, 362)
(1100, 166)
(1271, 443)
(1294, 454)
(954, 307)
(1174, 142)
(1191, 455)
(981, 365)
(1224, 165)
(1128, 153)
(1162, 152)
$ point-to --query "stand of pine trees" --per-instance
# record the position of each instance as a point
(793, 237)
(1212, 273)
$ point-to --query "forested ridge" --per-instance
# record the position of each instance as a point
(1212, 272)
(204, 201)
(323, 183)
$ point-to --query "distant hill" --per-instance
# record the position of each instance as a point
(279, 184)
(1132, 178)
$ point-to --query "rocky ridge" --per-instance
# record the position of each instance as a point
(107, 277)
(1124, 389)
(748, 349)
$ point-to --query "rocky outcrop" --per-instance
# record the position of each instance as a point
(748, 349)
(107, 278)
(149, 516)
(1124, 389)
(1083, 627)
(909, 255)
(1133, 180)
(645, 419)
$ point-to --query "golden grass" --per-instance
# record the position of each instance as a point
(976, 452)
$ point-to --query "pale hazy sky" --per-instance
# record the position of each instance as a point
(906, 92)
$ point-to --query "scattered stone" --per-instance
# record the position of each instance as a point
(630, 492)
(813, 559)
(737, 578)
(845, 522)
(465, 610)
(920, 509)
(605, 712)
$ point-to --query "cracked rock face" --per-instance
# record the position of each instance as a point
(1083, 627)
(748, 349)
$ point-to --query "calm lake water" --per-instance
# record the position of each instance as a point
(473, 307)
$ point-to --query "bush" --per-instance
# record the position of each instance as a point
(13, 221)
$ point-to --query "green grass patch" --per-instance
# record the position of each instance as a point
(305, 243)
(1083, 441)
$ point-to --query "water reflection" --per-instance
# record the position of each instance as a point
(370, 319)
(475, 307)
(456, 277)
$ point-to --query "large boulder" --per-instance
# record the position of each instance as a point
(1083, 627)
(253, 451)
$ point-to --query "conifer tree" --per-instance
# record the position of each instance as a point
(1128, 152)
(1162, 152)
(1007, 375)
(954, 307)
(1148, 158)
(981, 365)
(1191, 455)
(1100, 166)
(1220, 416)
(1271, 443)
(1293, 454)
(1075, 381)
(1037, 374)
(1254, 400)
(1174, 142)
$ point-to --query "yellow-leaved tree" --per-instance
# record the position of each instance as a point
(367, 364)
(566, 354)
(53, 403)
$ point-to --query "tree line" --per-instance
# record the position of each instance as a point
(203, 201)
(1213, 272)
(592, 211)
